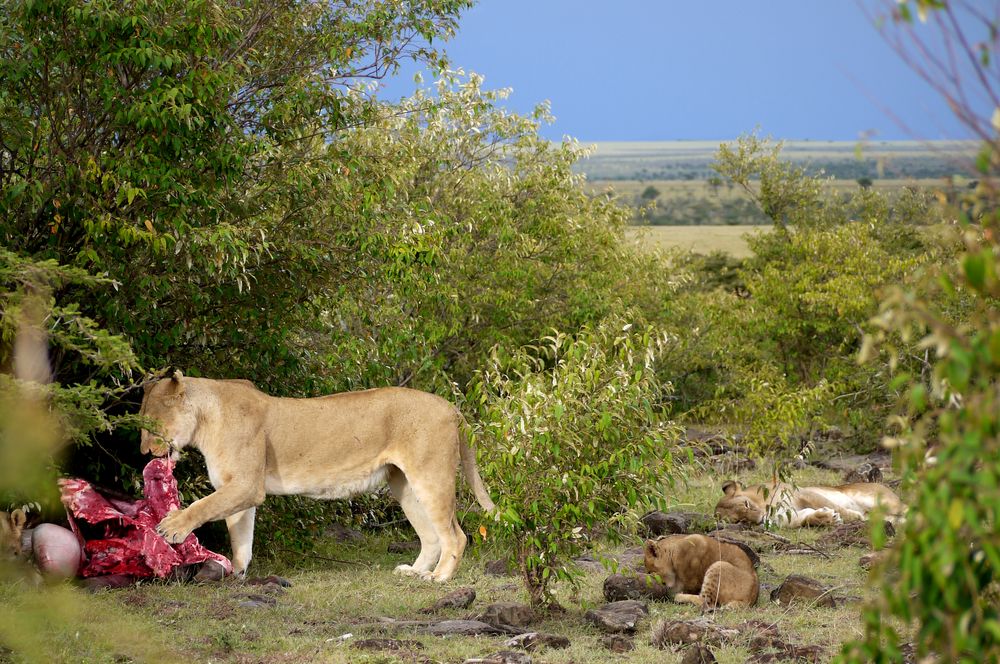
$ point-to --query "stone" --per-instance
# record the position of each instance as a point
(619, 616)
(210, 572)
(635, 586)
(258, 601)
(508, 614)
(273, 578)
(403, 547)
(698, 654)
(704, 631)
(342, 533)
(865, 472)
(502, 657)
(498, 568)
(461, 628)
(531, 641)
(387, 644)
(797, 588)
(869, 560)
(618, 643)
(666, 523)
(458, 599)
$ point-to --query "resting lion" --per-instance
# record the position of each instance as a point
(326, 447)
(784, 505)
(703, 571)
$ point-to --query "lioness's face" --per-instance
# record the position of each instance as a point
(167, 402)
(659, 559)
(739, 509)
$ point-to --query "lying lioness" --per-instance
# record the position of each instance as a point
(327, 447)
(703, 571)
(784, 505)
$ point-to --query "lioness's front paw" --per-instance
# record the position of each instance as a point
(406, 570)
(173, 527)
(824, 516)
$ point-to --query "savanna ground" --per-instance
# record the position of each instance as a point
(341, 590)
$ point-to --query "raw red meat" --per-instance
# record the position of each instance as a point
(129, 543)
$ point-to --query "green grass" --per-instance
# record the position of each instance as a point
(330, 600)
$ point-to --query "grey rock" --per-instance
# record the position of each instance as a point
(387, 644)
(618, 643)
(498, 568)
(508, 613)
(698, 654)
(617, 617)
(458, 599)
(533, 640)
(258, 602)
(797, 588)
(865, 472)
(634, 586)
(502, 657)
(461, 627)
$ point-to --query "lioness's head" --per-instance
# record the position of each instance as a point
(738, 505)
(659, 559)
(167, 402)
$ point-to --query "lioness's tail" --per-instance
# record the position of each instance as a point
(469, 468)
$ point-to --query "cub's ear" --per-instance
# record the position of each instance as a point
(746, 503)
(176, 376)
(731, 487)
(18, 518)
(651, 549)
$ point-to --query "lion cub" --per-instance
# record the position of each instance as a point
(703, 571)
(11, 527)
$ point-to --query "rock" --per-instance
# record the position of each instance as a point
(458, 599)
(789, 653)
(732, 463)
(691, 631)
(698, 654)
(274, 578)
(461, 628)
(618, 643)
(342, 533)
(498, 568)
(667, 523)
(865, 472)
(403, 547)
(502, 657)
(803, 589)
(387, 644)
(258, 601)
(508, 614)
(634, 586)
(619, 616)
(588, 562)
(210, 572)
(531, 641)
(108, 582)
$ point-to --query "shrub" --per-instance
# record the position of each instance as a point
(572, 440)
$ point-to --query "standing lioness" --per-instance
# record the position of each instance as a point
(327, 447)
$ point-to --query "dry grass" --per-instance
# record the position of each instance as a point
(700, 239)
(333, 604)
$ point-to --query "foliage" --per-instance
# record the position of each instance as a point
(572, 439)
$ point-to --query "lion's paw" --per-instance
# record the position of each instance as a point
(406, 570)
(173, 527)
(824, 516)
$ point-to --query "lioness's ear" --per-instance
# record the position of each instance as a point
(651, 549)
(176, 381)
(731, 487)
(746, 503)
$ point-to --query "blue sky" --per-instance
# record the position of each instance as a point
(697, 69)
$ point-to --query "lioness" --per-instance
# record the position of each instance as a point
(784, 505)
(326, 447)
(703, 571)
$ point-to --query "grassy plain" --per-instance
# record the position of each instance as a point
(341, 591)
(699, 239)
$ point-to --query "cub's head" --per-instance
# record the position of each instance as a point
(168, 402)
(739, 505)
(11, 527)
(661, 557)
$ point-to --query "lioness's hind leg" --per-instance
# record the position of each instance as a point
(241, 538)
(438, 501)
(430, 546)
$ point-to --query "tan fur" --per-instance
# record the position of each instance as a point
(11, 527)
(326, 447)
(785, 505)
(703, 571)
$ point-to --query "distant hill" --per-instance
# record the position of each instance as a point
(692, 160)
